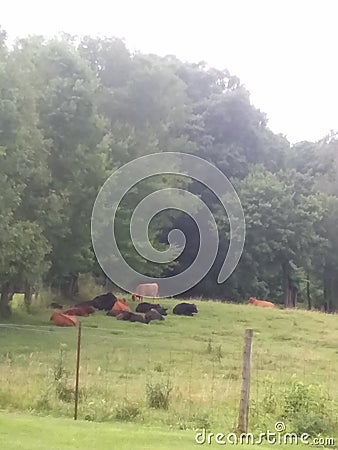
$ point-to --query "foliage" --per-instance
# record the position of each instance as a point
(158, 395)
(74, 110)
(308, 409)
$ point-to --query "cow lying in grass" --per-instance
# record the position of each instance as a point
(84, 311)
(142, 318)
(153, 314)
(55, 305)
(63, 320)
(263, 303)
(103, 302)
(145, 307)
(130, 317)
(185, 309)
(120, 306)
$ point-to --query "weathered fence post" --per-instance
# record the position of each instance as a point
(243, 417)
(77, 371)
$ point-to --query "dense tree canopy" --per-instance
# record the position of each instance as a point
(74, 110)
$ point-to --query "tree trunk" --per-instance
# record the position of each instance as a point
(293, 297)
(108, 285)
(28, 296)
(331, 296)
(74, 286)
(286, 286)
(69, 287)
(334, 294)
(5, 310)
(308, 293)
(325, 291)
(287, 295)
(328, 291)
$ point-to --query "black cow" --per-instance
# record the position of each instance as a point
(132, 317)
(143, 318)
(103, 302)
(153, 314)
(185, 309)
(145, 307)
(55, 305)
(122, 315)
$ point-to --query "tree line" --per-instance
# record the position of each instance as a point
(73, 110)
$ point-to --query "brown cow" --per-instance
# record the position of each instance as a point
(120, 306)
(84, 310)
(146, 290)
(264, 303)
(62, 320)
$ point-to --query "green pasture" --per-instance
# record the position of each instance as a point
(192, 362)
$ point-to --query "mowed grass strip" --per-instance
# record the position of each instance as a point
(35, 433)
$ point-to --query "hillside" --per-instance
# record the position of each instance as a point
(125, 365)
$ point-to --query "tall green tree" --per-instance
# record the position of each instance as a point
(77, 160)
(24, 176)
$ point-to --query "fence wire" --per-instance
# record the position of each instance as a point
(198, 387)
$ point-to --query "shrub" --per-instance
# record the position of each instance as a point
(307, 409)
(158, 395)
(158, 368)
(127, 412)
(64, 392)
(270, 400)
(196, 422)
(59, 369)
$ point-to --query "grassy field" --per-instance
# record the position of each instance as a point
(129, 370)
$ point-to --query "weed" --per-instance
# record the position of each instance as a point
(158, 367)
(209, 347)
(158, 395)
(218, 353)
(127, 412)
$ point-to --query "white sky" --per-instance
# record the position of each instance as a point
(284, 51)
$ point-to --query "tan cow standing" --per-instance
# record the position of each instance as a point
(146, 290)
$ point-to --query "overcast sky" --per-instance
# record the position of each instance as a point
(284, 51)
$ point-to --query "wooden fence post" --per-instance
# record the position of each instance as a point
(77, 371)
(243, 417)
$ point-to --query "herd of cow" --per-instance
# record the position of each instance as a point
(119, 308)
(144, 313)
